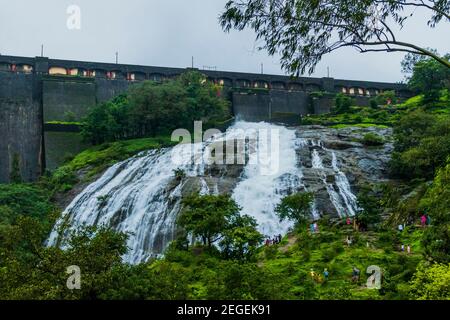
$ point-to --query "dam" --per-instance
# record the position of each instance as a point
(43, 99)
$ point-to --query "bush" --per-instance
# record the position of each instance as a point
(372, 139)
(386, 98)
(373, 103)
(343, 103)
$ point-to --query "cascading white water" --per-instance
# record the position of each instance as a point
(344, 187)
(345, 201)
(258, 194)
(131, 198)
(139, 197)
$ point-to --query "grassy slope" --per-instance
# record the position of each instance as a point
(328, 250)
(382, 116)
(97, 159)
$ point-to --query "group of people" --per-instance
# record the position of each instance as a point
(317, 278)
(425, 220)
(326, 274)
(275, 240)
(408, 248)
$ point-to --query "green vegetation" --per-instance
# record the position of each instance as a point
(360, 125)
(15, 176)
(150, 109)
(431, 282)
(65, 123)
(217, 253)
(436, 202)
(343, 103)
(422, 145)
(296, 207)
(286, 28)
(372, 139)
(95, 160)
(357, 116)
(207, 217)
(429, 77)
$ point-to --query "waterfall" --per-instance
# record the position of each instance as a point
(344, 200)
(141, 197)
(259, 194)
(344, 188)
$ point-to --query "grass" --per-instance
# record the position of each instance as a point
(65, 123)
(360, 125)
(98, 158)
(382, 116)
(327, 250)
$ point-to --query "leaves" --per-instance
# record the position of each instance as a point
(431, 282)
(296, 207)
(302, 31)
(151, 108)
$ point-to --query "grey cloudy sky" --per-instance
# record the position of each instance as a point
(169, 32)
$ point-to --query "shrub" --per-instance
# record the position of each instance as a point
(372, 139)
(343, 103)
(373, 103)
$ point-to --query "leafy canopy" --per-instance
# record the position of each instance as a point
(152, 108)
(208, 216)
(296, 207)
(302, 31)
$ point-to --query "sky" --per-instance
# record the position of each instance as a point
(169, 32)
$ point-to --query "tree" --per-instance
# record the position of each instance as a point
(343, 103)
(436, 238)
(302, 31)
(429, 77)
(422, 145)
(208, 216)
(431, 282)
(296, 207)
(40, 272)
(241, 239)
(370, 212)
(151, 108)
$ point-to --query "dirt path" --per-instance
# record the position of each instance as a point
(292, 239)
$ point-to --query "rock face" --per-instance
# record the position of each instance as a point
(142, 196)
(320, 173)
(360, 164)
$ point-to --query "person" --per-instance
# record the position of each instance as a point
(316, 227)
(280, 238)
(402, 248)
(408, 249)
(349, 241)
(428, 220)
(267, 242)
(354, 225)
(423, 220)
(355, 274)
(400, 227)
(313, 274)
(349, 221)
(325, 274)
(311, 227)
